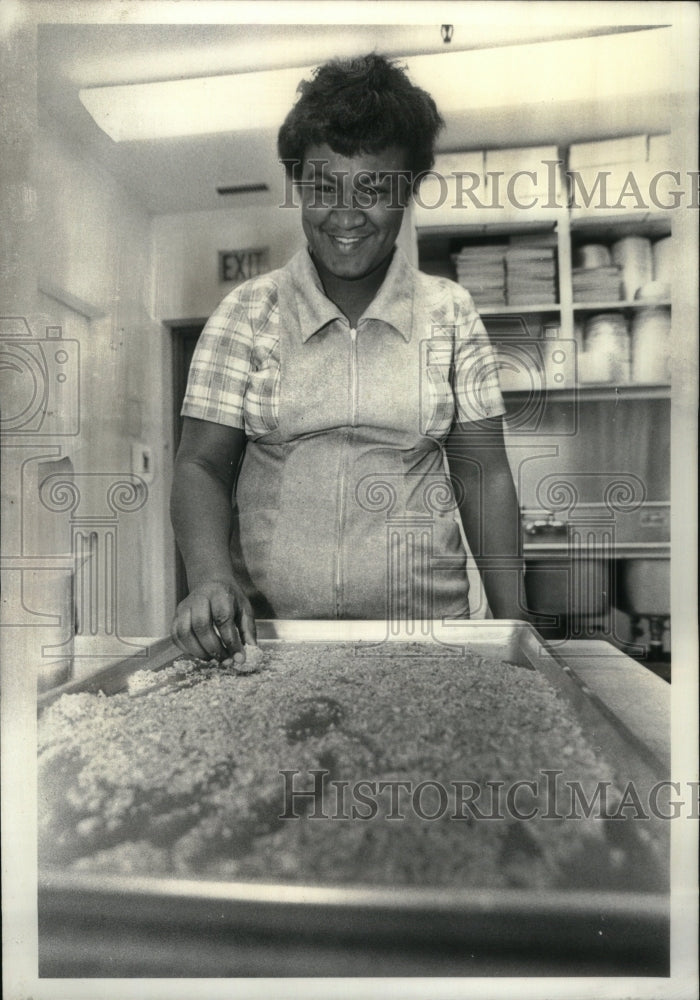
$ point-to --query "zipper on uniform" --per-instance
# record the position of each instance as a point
(353, 377)
(343, 471)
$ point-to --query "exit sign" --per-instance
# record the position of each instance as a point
(239, 265)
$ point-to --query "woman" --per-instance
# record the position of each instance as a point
(327, 396)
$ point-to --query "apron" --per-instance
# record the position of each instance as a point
(344, 509)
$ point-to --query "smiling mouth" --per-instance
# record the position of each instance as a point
(347, 241)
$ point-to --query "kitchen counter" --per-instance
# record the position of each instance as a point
(620, 550)
(635, 695)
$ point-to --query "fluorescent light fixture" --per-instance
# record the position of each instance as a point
(199, 106)
(604, 67)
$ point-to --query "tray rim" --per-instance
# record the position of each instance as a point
(595, 923)
(310, 895)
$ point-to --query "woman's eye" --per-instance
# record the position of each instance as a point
(375, 195)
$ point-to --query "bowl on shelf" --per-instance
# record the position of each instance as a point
(653, 291)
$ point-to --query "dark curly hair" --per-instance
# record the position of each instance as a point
(360, 105)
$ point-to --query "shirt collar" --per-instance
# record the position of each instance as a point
(393, 303)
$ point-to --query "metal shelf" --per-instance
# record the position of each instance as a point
(620, 304)
(471, 228)
(592, 225)
(551, 307)
(595, 393)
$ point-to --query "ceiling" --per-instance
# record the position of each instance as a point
(176, 175)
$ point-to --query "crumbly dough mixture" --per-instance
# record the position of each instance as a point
(181, 775)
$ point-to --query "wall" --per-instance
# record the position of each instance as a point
(95, 266)
(186, 247)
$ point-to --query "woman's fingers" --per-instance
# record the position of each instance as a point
(203, 627)
(246, 623)
(184, 636)
(223, 609)
(213, 622)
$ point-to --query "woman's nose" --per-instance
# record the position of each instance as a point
(348, 216)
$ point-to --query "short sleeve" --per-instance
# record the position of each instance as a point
(221, 364)
(475, 385)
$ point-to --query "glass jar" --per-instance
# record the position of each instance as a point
(607, 345)
(651, 330)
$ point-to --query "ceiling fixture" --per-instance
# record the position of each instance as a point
(573, 70)
(199, 106)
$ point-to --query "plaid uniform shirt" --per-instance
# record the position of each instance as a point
(234, 377)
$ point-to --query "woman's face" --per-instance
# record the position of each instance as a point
(352, 208)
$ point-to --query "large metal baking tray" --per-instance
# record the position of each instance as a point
(173, 926)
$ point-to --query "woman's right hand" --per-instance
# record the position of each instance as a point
(215, 621)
